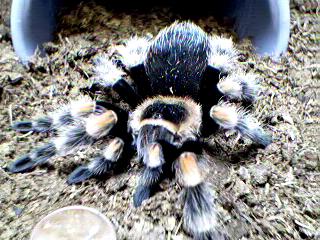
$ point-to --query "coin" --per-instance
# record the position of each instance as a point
(74, 222)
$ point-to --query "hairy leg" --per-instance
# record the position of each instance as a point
(199, 211)
(100, 165)
(228, 116)
(70, 139)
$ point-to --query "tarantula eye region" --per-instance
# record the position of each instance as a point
(173, 111)
(157, 116)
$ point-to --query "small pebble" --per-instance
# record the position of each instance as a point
(260, 174)
(312, 165)
(274, 120)
(310, 157)
(243, 173)
(18, 211)
(291, 135)
(5, 149)
(287, 118)
(170, 224)
(251, 200)
(241, 188)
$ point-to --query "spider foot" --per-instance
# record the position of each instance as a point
(100, 165)
(35, 158)
(151, 175)
(43, 124)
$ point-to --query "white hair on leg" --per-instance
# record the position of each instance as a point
(98, 126)
(101, 164)
(82, 107)
(106, 162)
(153, 159)
(134, 52)
(107, 72)
(222, 62)
(84, 133)
(223, 55)
(250, 128)
(223, 46)
(114, 149)
(199, 211)
(229, 116)
(226, 115)
(239, 85)
(153, 156)
(250, 86)
(72, 139)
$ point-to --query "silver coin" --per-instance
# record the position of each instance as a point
(74, 222)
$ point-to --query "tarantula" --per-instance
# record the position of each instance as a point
(183, 84)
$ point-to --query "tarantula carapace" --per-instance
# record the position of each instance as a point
(183, 84)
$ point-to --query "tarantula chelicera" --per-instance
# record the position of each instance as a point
(183, 85)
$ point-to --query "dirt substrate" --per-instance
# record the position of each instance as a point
(271, 193)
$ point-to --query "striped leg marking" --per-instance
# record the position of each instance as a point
(199, 214)
(229, 116)
(64, 116)
(101, 165)
(239, 85)
(70, 139)
(153, 160)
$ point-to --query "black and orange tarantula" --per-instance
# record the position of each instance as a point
(184, 83)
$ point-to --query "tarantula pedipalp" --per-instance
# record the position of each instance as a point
(183, 85)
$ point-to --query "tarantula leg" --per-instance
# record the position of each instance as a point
(111, 76)
(134, 52)
(101, 164)
(151, 175)
(199, 214)
(69, 140)
(138, 74)
(132, 58)
(239, 85)
(66, 115)
(223, 55)
(43, 124)
(230, 117)
(209, 92)
(36, 157)
(222, 61)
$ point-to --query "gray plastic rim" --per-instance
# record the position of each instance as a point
(32, 23)
(267, 22)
